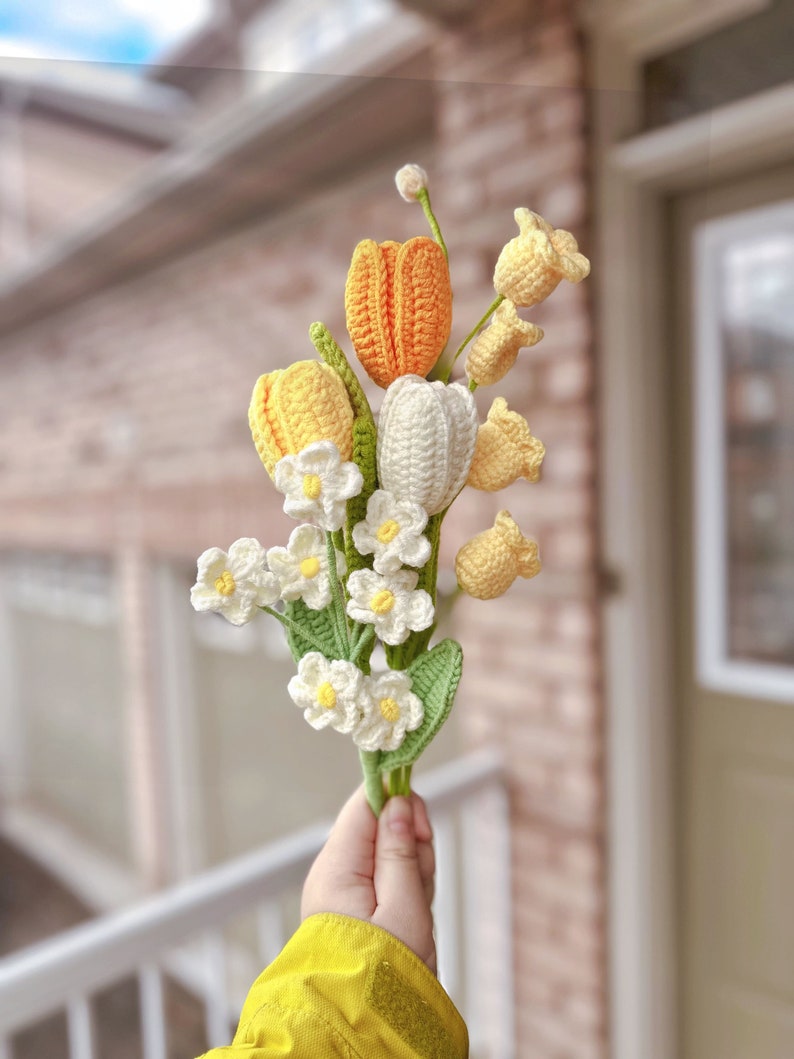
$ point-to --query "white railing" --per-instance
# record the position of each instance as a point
(182, 932)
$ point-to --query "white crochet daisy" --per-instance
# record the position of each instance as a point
(328, 692)
(392, 532)
(391, 710)
(392, 604)
(302, 567)
(234, 583)
(317, 484)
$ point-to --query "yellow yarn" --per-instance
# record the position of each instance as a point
(495, 351)
(506, 450)
(293, 407)
(398, 304)
(488, 565)
(532, 264)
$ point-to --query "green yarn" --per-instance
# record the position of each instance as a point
(402, 655)
(331, 353)
(365, 437)
(435, 676)
(320, 625)
(364, 454)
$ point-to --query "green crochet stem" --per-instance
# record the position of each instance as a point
(399, 781)
(362, 648)
(364, 437)
(477, 327)
(423, 197)
(373, 782)
(340, 614)
(401, 656)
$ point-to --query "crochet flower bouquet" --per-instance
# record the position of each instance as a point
(371, 495)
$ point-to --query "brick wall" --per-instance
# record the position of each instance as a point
(512, 131)
(127, 434)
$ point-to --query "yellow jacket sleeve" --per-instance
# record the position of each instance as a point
(344, 989)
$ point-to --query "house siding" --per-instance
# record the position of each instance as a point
(127, 436)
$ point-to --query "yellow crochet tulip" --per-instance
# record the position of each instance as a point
(488, 565)
(290, 409)
(398, 304)
(495, 351)
(506, 450)
(532, 264)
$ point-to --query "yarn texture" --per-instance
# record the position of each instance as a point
(371, 489)
(506, 450)
(398, 305)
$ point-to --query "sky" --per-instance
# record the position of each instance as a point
(123, 31)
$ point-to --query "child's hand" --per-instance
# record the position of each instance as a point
(379, 870)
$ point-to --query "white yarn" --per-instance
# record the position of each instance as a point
(426, 437)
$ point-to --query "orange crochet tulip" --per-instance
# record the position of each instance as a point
(290, 409)
(488, 565)
(398, 303)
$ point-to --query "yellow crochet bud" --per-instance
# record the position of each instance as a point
(398, 304)
(290, 409)
(532, 264)
(488, 565)
(506, 450)
(495, 351)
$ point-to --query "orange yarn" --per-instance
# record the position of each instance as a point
(293, 407)
(398, 304)
(488, 565)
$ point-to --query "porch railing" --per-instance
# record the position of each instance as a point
(184, 931)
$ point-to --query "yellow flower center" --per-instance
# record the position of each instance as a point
(388, 531)
(312, 486)
(310, 567)
(382, 602)
(225, 584)
(390, 710)
(326, 696)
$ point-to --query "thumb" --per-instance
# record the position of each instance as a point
(398, 882)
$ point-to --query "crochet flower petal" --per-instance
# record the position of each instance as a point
(392, 532)
(496, 348)
(234, 584)
(426, 437)
(487, 566)
(316, 485)
(294, 407)
(390, 710)
(328, 692)
(398, 305)
(531, 265)
(506, 450)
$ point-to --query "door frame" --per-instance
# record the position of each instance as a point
(634, 178)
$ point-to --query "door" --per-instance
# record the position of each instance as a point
(732, 430)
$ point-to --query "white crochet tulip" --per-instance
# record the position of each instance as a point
(426, 437)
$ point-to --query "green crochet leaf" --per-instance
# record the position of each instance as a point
(318, 624)
(364, 437)
(435, 676)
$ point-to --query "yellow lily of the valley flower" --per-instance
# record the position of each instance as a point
(506, 450)
(532, 264)
(495, 351)
(488, 565)
(290, 409)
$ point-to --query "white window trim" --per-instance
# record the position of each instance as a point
(715, 668)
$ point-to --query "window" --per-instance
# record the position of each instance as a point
(744, 429)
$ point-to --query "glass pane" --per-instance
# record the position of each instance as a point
(757, 337)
